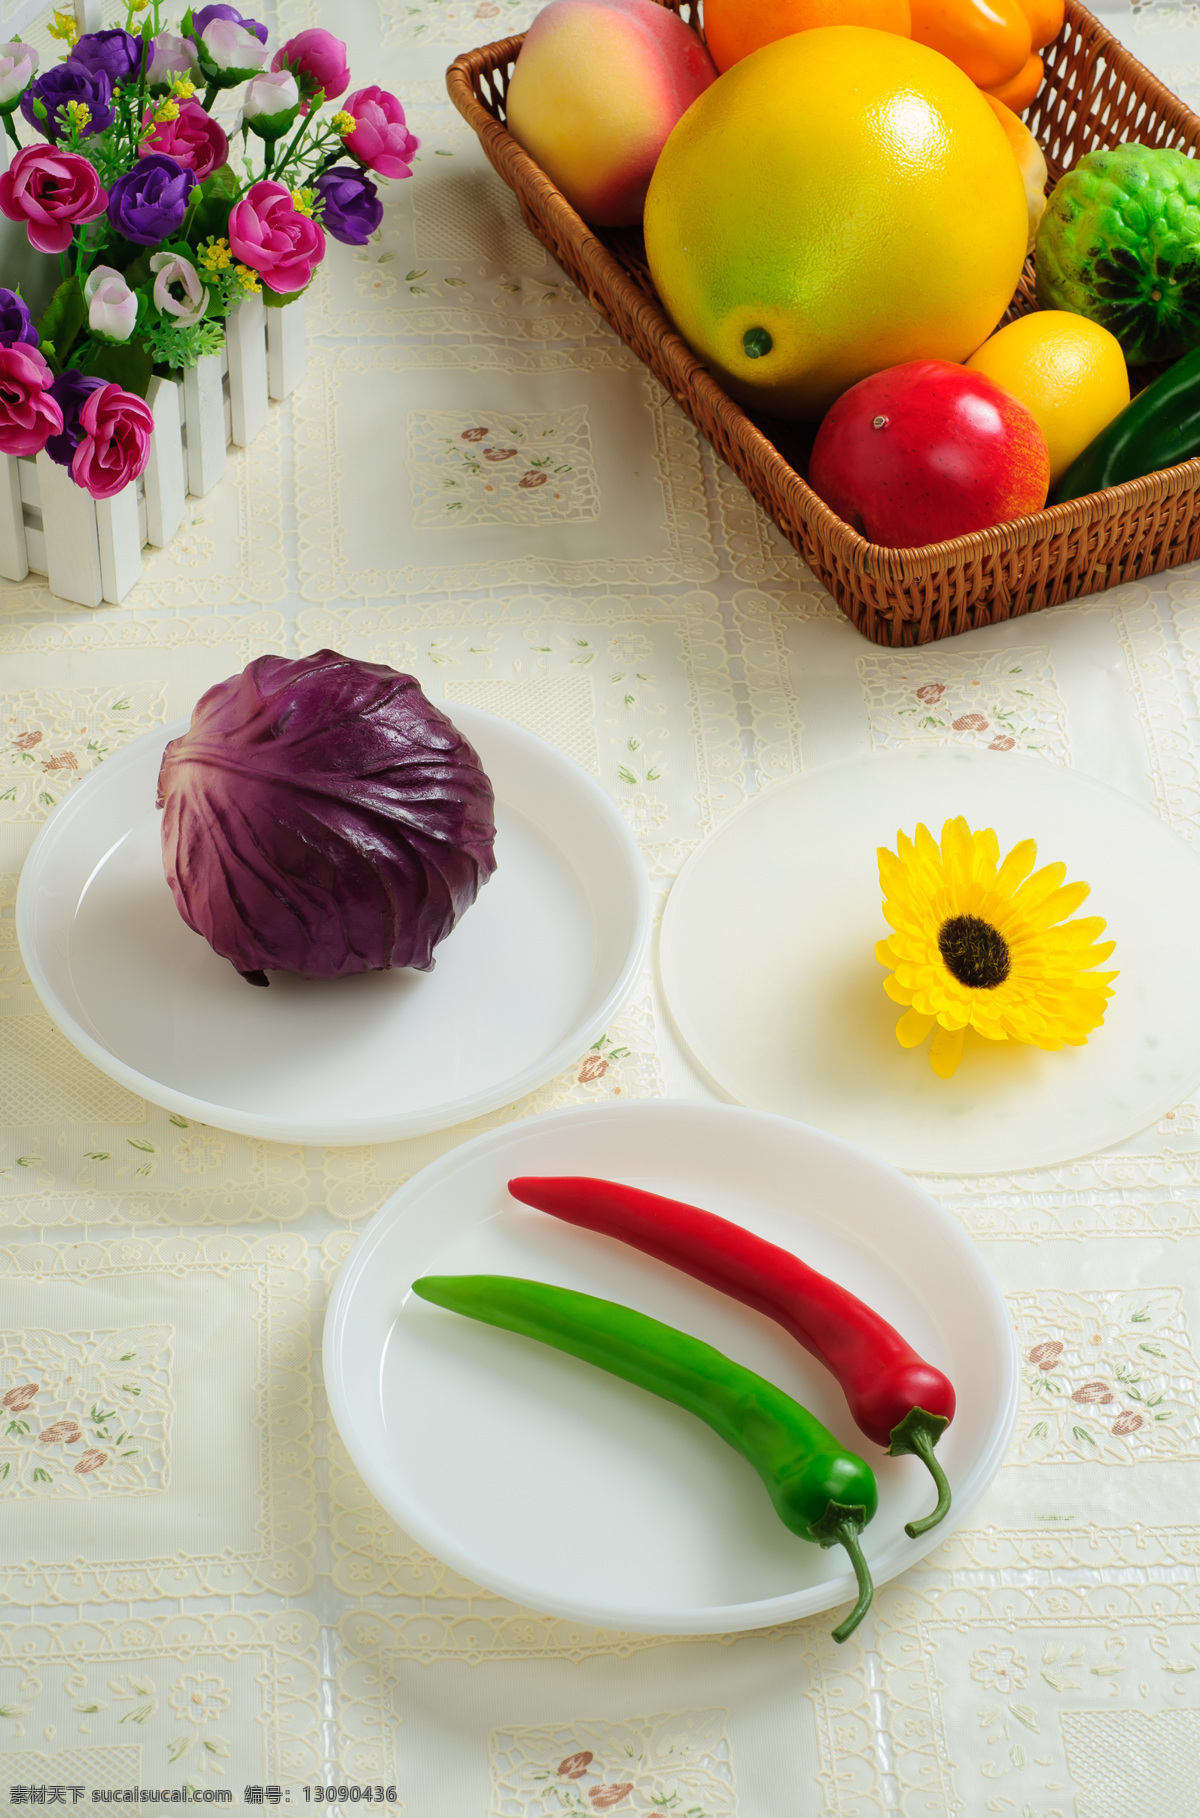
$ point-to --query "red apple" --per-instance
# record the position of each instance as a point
(926, 451)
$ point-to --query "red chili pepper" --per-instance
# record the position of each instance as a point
(896, 1398)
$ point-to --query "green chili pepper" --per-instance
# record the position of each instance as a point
(820, 1491)
(1159, 429)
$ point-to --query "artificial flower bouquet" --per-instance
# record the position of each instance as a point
(160, 226)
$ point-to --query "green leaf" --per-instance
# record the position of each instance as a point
(278, 299)
(64, 319)
(221, 182)
(130, 366)
(208, 210)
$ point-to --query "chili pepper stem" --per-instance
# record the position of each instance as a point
(846, 1534)
(841, 1526)
(918, 1433)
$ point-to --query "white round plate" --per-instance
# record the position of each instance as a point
(529, 978)
(574, 1493)
(768, 964)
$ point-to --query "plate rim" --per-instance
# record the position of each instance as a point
(346, 1133)
(1022, 760)
(725, 1618)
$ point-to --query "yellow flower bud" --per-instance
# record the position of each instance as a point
(343, 123)
(247, 278)
(65, 27)
(78, 114)
(167, 110)
(303, 200)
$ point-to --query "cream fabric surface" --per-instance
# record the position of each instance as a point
(231, 1608)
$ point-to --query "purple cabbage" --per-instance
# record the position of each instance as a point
(321, 816)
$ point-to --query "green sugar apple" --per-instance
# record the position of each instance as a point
(1120, 244)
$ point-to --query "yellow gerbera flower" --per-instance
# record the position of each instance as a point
(987, 945)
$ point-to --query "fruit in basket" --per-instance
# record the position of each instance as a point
(734, 28)
(988, 39)
(1031, 162)
(926, 451)
(1120, 243)
(838, 202)
(1019, 90)
(1045, 21)
(597, 87)
(1068, 372)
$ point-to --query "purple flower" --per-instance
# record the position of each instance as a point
(208, 13)
(352, 209)
(70, 393)
(116, 54)
(148, 204)
(69, 82)
(16, 323)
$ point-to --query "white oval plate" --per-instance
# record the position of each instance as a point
(768, 964)
(530, 977)
(577, 1494)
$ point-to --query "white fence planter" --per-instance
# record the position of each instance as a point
(91, 550)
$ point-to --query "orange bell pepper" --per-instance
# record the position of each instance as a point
(1020, 89)
(1045, 21)
(988, 39)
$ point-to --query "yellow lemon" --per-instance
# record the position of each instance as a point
(1068, 372)
(837, 202)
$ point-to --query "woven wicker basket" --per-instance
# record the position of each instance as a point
(1094, 94)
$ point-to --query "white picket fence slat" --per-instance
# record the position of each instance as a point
(91, 551)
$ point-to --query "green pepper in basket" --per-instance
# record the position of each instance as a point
(1159, 429)
(821, 1491)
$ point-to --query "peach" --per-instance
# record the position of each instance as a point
(597, 87)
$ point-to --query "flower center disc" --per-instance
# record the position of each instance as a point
(974, 952)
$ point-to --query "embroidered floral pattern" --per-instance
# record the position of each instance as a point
(1004, 701)
(452, 21)
(50, 737)
(199, 1697)
(678, 1762)
(1108, 1377)
(525, 470)
(85, 1413)
(1000, 1669)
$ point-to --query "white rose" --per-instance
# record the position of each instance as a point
(230, 46)
(172, 269)
(18, 66)
(112, 306)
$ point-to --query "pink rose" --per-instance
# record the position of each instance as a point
(194, 140)
(28, 417)
(380, 139)
(319, 56)
(269, 234)
(51, 192)
(115, 445)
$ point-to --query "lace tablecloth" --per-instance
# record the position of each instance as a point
(224, 1605)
